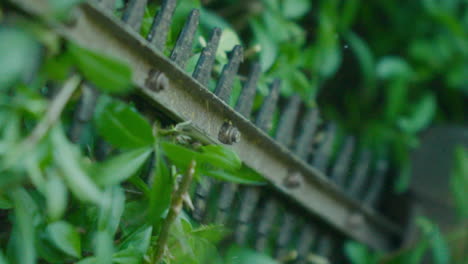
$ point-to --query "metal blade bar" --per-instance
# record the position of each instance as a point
(185, 97)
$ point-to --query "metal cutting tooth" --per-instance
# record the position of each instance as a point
(265, 224)
(265, 115)
(204, 67)
(247, 96)
(361, 170)
(341, 167)
(133, 14)
(225, 82)
(285, 234)
(228, 190)
(325, 245)
(248, 204)
(161, 25)
(183, 47)
(287, 122)
(370, 198)
(202, 192)
(309, 125)
(304, 245)
(322, 157)
(84, 111)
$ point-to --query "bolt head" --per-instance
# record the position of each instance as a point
(157, 81)
(293, 180)
(229, 134)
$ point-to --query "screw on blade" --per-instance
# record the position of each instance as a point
(108, 4)
(360, 173)
(305, 242)
(228, 190)
(378, 180)
(202, 72)
(200, 200)
(324, 152)
(265, 223)
(84, 111)
(285, 234)
(224, 86)
(133, 14)
(247, 207)
(265, 115)
(341, 167)
(183, 48)
(287, 122)
(161, 24)
(308, 127)
(247, 96)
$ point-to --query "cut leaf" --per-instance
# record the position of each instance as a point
(65, 237)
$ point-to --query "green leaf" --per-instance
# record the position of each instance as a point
(393, 67)
(3, 260)
(459, 182)
(56, 197)
(212, 233)
(65, 237)
(295, 8)
(67, 159)
(123, 127)
(358, 253)
(161, 189)
(120, 167)
(127, 256)
(240, 255)
(245, 175)
(88, 260)
(111, 210)
(220, 157)
(104, 247)
(108, 74)
(421, 116)
(268, 46)
(24, 227)
(138, 240)
(19, 53)
(365, 59)
(5, 203)
(179, 155)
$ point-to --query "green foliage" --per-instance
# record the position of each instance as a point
(63, 204)
(108, 74)
(459, 182)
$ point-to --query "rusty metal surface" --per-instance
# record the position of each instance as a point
(187, 99)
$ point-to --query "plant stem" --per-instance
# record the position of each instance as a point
(55, 110)
(174, 211)
(51, 116)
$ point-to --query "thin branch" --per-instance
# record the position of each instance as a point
(55, 110)
(51, 116)
(174, 211)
